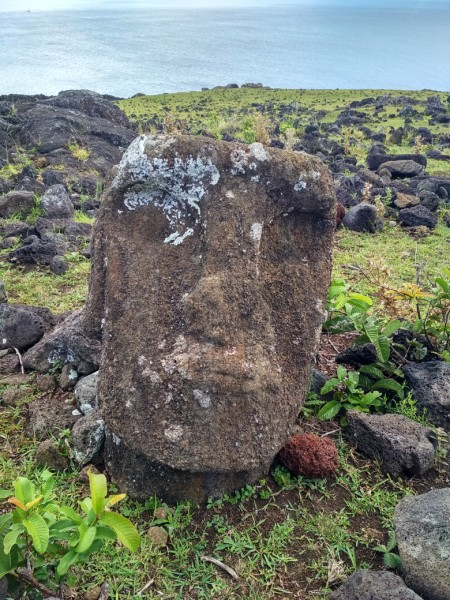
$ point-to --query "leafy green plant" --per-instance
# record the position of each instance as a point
(390, 558)
(78, 151)
(347, 395)
(40, 534)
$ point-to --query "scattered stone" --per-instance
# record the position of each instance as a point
(405, 200)
(417, 216)
(3, 295)
(16, 202)
(83, 474)
(48, 454)
(401, 168)
(48, 415)
(45, 383)
(430, 200)
(422, 530)
(34, 251)
(68, 377)
(88, 435)
(310, 455)
(12, 395)
(19, 327)
(318, 380)
(93, 593)
(66, 344)
(376, 158)
(362, 217)
(356, 356)
(401, 445)
(430, 386)
(56, 204)
(242, 236)
(158, 536)
(58, 265)
(86, 393)
(3, 588)
(374, 585)
(161, 513)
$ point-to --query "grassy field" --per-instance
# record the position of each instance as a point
(286, 536)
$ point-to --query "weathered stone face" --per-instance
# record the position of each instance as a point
(211, 263)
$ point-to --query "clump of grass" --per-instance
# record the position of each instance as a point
(78, 151)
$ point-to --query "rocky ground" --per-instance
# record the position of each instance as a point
(389, 154)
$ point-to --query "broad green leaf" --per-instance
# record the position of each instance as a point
(70, 513)
(363, 299)
(390, 384)
(443, 284)
(5, 494)
(97, 484)
(39, 532)
(87, 536)
(391, 327)
(69, 559)
(353, 376)
(372, 371)
(60, 526)
(95, 547)
(329, 410)
(341, 372)
(361, 339)
(11, 537)
(105, 533)
(124, 529)
(86, 505)
(329, 385)
(380, 342)
(24, 489)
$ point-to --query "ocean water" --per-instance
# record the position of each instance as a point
(124, 51)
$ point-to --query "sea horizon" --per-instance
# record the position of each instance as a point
(155, 50)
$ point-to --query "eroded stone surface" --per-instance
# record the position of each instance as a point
(211, 263)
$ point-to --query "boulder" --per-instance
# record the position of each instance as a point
(374, 585)
(401, 445)
(401, 168)
(86, 393)
(16, 202)
(430, 386)
(21, 326)
(211, 263)
(88, 435)
(48, 415)
(3, 294)
(68, 343)
(35, 251)
(56, 204)
(365, 354)
(417, 216)
(405, 200)
(362, 217)
(376, 158)
(422, 530)
(48, 454)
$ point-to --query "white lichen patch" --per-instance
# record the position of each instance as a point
(255, 178)
(116, 439)
(152, 375)
(177, 238)
(202, 398)
(300, 185)
(229, 194)
(256, 232)
(174, 433)
(175, 187)
(239, 160)
(259, 151)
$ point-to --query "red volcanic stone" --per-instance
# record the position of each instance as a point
(310, 455)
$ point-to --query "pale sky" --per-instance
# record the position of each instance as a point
(38, 5)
